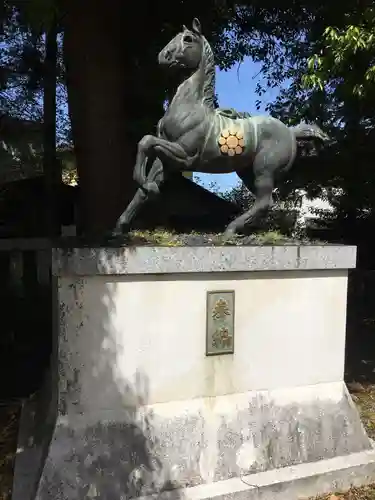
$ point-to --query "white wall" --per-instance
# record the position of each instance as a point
(289, 332)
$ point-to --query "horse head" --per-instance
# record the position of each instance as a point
(184, 51)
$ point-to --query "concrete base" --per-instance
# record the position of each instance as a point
(138, 409)
(203, 448)
(289, 483)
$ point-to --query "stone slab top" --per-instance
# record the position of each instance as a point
(167, 260)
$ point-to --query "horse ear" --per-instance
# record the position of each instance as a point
(197, 28)
(184, 28)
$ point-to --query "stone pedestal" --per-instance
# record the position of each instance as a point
(139, 408)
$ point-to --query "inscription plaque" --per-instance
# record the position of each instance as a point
(220, 322)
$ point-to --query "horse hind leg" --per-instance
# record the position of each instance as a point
(263, 187)
(247, 177)
(263, 200)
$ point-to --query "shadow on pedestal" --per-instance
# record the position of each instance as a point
(97, 445)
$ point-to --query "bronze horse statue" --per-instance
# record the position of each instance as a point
(195, 136)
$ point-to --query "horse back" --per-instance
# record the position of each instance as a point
(230, 137)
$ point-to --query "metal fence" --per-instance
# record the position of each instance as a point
(26, 314)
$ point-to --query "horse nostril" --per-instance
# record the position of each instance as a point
(167, 54)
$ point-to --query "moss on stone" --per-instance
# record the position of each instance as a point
(161, 237)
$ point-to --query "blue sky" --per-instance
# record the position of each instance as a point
(236, 89)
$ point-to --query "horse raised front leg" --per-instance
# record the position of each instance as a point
(170, 153)
(150, 186)
(155, 177)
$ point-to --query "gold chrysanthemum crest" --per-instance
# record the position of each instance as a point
(231, 142)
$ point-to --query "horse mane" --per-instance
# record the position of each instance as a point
(208, 60)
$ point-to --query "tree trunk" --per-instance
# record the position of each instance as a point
(51, 168)
(96, 93)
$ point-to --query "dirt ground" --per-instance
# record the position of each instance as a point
(363, 395)
(9, 417)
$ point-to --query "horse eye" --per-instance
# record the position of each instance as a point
(188, 39)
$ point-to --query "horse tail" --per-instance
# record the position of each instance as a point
(310, 131)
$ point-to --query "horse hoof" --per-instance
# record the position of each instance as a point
(151, 188)
(120, 231)
(228, 234)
